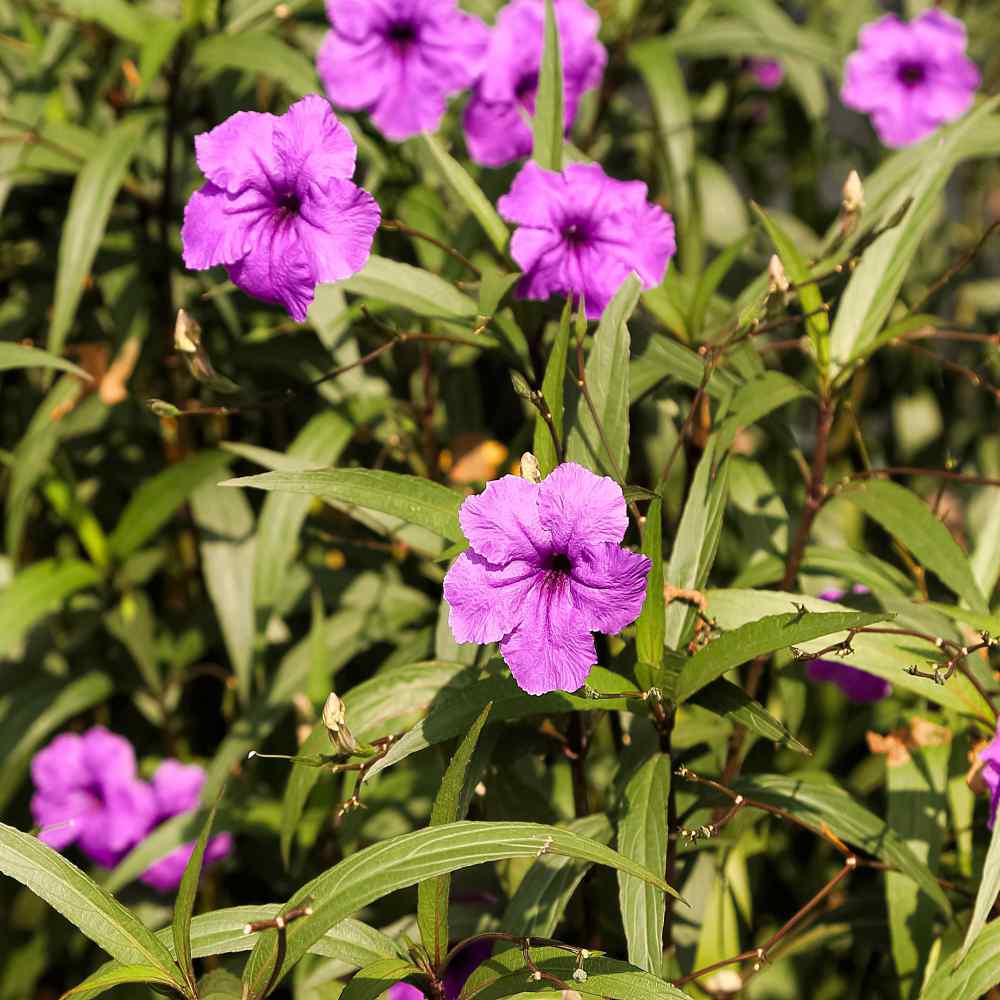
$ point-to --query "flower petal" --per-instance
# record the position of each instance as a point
(108, 757)
(858, 685)
(537, 197)
(312, 145)
(62, 817)
(484, 598)
(336, 225)
(59, 767)
(496, 132)
(219, 227)
(177, 787)
(129, 813)
(353, 71)
(502, 524)
(608, 586)
(240, 153)
(166, 874)
(580, 509)
(549, 650)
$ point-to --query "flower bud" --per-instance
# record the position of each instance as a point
(853, 194)
(530, 469)
(777, 280)
(187, 342)
(335, 720)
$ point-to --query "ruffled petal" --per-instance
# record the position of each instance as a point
(549, 650)
(240, 152)
(502, 524)
(608, 586)
(484, 598)
(537, 198)
(128, 814)
(405, 991)
(858, 685)
(219, 227)
(108, 758)
(496, 132)
(59, 767)
(412, 100)
(63, 817)
(580, 509)
(336, 225)
(542, 256)
(177, 787)
(312, 145)
(166, 874)
(353, 71)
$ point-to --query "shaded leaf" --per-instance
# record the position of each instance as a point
(549, 122)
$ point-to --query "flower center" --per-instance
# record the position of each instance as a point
(911, 74)
(560, 563)
(526, 91)
(402, 34)
(288, 205)
(575, 233)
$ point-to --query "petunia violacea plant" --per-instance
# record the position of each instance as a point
(279, 209)
(544, 570)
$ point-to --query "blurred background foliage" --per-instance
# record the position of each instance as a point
(203, 621)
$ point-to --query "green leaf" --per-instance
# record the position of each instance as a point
(450, 804)
(986, 896)
(184, 906)
(817, 801)
(809, 292)
(219, 984)
(543, 894)
(550, 114)
(468, 692)
(301, 782)
(553, 393)
(90, 206)
(754, 400)
(407, 860)
(19, 356)
(373, 981)
(114, 974)
(874, 286)
(730, 700)
(710, 281)
(38, 591)
(763, 637)
(469, 192)
(156, 500)
(410, 288)
(259, 52)
(665, 358)
(506, 975)
(227, 544)
(651, 626)
(642, 836)
(414, 500)
(907, 518)
(91, 909)
(607, 382)
(975, 977)
(34, 709)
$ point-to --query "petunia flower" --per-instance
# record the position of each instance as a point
(497, 119)
(582, 233)
(544, 570)
(400, 59)
(177, 789)
(279, 209)
(767, 72)
(858, 685)
(989, 756)
(910, 77)
(87, 793)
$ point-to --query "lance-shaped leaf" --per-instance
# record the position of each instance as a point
(374, 981)
(553, 394)
(550, 114)
(978, 973)
(651, 627)
(408, 860)
(410, 288)
(19, 356)
(986, 896)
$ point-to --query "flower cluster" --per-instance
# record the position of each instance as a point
(858, 685)
(911, 78)
(88, 793)
(544, 570)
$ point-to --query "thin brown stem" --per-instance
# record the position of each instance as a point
(960, 265)
(394, 225)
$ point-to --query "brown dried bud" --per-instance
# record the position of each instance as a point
(187, 342)
(530, 469)
(335, 720)
(853, 194)
(777, 280)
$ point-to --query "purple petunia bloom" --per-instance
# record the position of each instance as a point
(279, 209)
(767, 72)
(401, 59)
(543, 571)
(87, 793)
(912, 77)
(177, 788)
(856, 684)
(582, 233)
(497, 118)
(990, 758)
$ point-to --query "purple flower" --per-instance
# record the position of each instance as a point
(177, 788)
(401, 59)
(87, 793)
(857, 685)
(583, 233)
(767, 72)
(458, 971)
(910, 78)
(990, 757)
(543, 571)
(497, 117)
(279, 209)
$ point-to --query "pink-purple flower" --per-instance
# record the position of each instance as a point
(582, 233)
(858, 685)
(400, 59)
(497, 119)
(767, 72)
(88, 793)
(543, 572)
(458, 971)
(910, 77)
(989, 756)
(279, 210)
